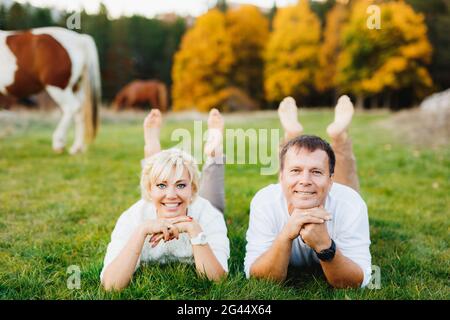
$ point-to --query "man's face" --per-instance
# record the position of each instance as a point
(305, 178)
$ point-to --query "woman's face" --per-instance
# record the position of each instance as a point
(171, 197)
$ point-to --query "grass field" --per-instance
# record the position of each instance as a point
(59, 210)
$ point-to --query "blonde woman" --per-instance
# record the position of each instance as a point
(180, 216)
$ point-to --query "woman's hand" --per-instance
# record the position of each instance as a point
(163, 229)
(191, 227)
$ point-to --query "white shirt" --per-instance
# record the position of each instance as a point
(349, 227)
(201, 210)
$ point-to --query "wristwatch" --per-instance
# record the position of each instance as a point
(200, 239)
(327, 254)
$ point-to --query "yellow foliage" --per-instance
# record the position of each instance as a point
(202, 65)
(390, 58)
(249, 31)
(331, 46)
(291, 54)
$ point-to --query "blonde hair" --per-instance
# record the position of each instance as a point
(162, 165)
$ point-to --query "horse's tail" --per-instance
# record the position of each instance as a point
(162, 93)
(92, 87)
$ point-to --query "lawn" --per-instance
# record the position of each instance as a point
(59, 210)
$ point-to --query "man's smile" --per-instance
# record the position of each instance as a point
(306, 193)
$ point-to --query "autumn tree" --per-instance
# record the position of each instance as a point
(291, 55)
(202, 65)
(331, 47)
(386, 59)
(249, 31)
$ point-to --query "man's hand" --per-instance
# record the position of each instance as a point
(316, 235)
(300, 218)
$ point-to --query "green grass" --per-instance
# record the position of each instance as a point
(59, 210)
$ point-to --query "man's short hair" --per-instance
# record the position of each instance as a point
(310, 143)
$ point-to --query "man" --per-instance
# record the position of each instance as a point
(308, 218)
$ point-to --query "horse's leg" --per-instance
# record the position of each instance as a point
(70, 105)
(78, 143)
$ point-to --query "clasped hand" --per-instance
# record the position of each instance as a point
(310, 225)
(169, 229)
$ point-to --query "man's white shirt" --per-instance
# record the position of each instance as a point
(349, 227)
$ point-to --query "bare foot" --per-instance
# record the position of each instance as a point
(58, 150)
(343, 114)
(213, 146)
(152, 127)
(287, 112)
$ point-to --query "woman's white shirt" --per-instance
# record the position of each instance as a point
(201, 210)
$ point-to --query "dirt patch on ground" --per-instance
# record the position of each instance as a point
(420, 127)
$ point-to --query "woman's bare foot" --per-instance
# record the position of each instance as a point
(152, 127)
(287, 112)
(343, 114)
(213, 146)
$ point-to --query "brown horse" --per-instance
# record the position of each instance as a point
(142, 91)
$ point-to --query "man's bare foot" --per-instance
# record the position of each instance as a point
(287, 112)
(152, 127)
(213, 146)
(343, 114)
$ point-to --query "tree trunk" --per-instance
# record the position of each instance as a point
(374, 102)
(387, 100)
(360, 101)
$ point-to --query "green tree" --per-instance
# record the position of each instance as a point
(41, 17)
(222, 5)
(437, 15)
(118, 69)
(18, 17)
(3, 16)
(271, 14)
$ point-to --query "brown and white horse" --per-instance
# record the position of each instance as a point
(65, 64)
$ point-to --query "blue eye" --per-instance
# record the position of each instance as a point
(161, 186)
(181, 186)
